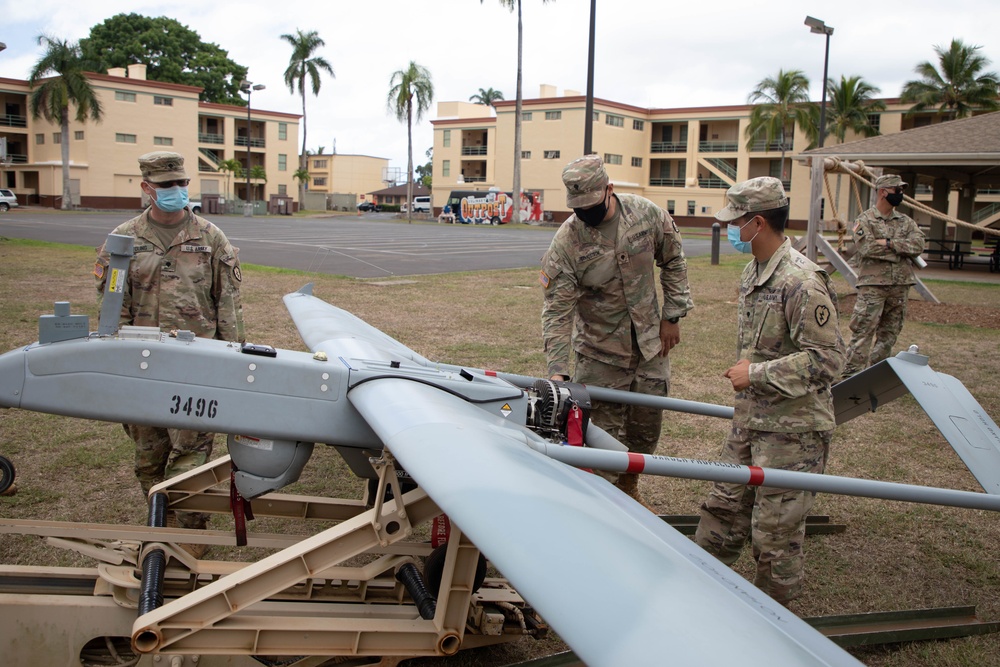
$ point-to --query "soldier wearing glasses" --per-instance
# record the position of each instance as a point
(184, 275)
(887, 243)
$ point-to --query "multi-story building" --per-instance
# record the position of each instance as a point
(342, 180)
(682, 159)
(139, 116)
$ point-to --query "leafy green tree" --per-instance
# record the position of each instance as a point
(303, 177)
(515, 216)
(302, 65)
(486, 96)
(57, 81)
(851, 105)
(411, 94)
(172, 53)
(958, 87)
(780, 102)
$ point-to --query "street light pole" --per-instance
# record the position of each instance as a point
(820, 28)
(248, 87)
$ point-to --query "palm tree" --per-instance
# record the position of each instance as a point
(301, 65)
(515, 216)
(51, 97)
(958, 87)
(303, 177)
(257, 173)
(780, 102)
(410, 93)
(850, 108)
(231, 167)
(486, 96)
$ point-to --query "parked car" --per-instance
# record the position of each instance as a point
(420, 204)
(7, 200)
(368, 206)
(195, 207)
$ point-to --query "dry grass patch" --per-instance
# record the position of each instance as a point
(893, 555)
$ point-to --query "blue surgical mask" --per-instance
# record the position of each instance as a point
(172, 199)
(733, 234)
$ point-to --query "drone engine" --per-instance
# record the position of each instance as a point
(557, 410)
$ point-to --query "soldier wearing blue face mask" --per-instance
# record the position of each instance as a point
(789, 353)
(184, 274)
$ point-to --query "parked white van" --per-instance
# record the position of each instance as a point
(420, 204)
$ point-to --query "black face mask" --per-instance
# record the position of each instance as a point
(894, 198)
(594, 215)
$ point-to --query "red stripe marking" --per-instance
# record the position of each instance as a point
(491, 374)
(636, 463)
(756, 476)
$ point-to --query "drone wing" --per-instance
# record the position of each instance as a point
(619, 585)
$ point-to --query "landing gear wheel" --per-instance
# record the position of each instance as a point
(6, 474)
(434, 568)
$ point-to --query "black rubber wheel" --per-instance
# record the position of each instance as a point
(7, 473)
(4, 206)
(495, 220)
(434, 568)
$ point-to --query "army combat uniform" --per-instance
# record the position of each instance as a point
(788, 331)
(885, 274)
(192, 283)
(600, 299)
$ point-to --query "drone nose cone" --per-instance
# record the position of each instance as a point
(12, 378)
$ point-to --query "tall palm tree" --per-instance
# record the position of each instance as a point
(486, 96)
(515, 216)
(781, 102)
(51, 97)
(304, 64)
(411, 93)
(231, 167)
(958, 87)
(851, 105)
(258, 173)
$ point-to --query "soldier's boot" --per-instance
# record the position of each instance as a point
(629, 483)
(196, 550)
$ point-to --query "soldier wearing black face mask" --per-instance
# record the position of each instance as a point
(599, 280)
(887, 244)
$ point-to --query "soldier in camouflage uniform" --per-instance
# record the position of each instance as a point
(599, 280)
(789, 352)
(887, 242)
(184, 275)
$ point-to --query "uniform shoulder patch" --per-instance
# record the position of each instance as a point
(98, 270)
(544, 279)
(822, 315)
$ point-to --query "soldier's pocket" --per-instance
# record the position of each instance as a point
(770, 335)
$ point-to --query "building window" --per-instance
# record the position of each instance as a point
(611, 158)
(691, 205)
(282, 162)
(525, 115)
(78, 135)
(283, 131)
(637, 162)
(671, 204)
(638, 125)
(125, 138)
(446, 167)
(525, 155)
(39, 139)
(875, 120)
(319, 180)
(282, 189)
(553, 115)
(163, 141)
(123, 96)
(446, 138)
(682, 168)
(614, 121)
(159, 100)
(597, 116)
(57, 137)
(319, 164)
(551, 155)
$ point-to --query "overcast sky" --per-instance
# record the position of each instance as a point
(650, 53)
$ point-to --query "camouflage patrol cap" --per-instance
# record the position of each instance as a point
(160, 166)
(586, 181)
(889, 181)
(758, 194)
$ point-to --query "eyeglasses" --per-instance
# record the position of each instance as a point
(182, 182)
(897, 190)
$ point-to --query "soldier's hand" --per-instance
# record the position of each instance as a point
(670, 335)
(739, 374)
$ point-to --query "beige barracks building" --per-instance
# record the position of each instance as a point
(141, 116)
(682, 159)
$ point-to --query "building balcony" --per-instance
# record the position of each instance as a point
(713, 183)
(718, 146)
(668, 147)
(254, 142)
(473, 179)
(208, 138)
(761, 146)
(666, 182)
(13, 120)
(474, 150)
